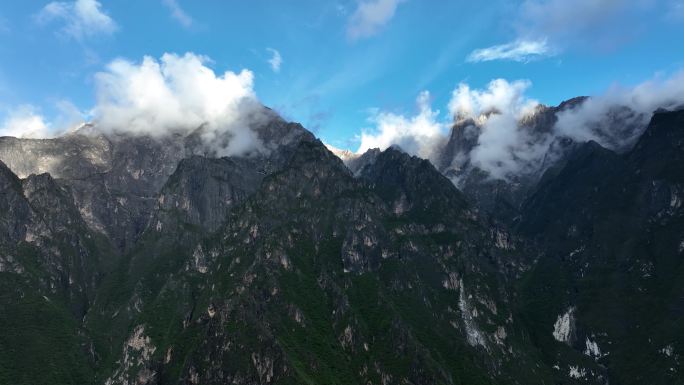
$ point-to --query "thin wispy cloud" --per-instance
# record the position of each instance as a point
(81, 18)
(276, 59)
(519, 50)
(178, 14)
(370, 16)
(547, 27)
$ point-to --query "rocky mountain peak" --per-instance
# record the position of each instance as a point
(152, 260)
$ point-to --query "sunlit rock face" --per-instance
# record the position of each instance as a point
(116, 178)
(113, 180)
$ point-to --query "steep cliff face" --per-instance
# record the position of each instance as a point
(533, 145)
(50, 267)
(114, 180)
(494, 194)
(46, 240)
(316, 277)
(15, 211)
(203, 190)
(609, 283)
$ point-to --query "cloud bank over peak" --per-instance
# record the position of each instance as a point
(178, 94)
(630, 107)
(417, 135)
(370, 16)
(82, 18)
(495, 113)
(509, 136)
(500, 97)
(491, 114)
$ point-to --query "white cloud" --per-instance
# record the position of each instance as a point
(493, 112)
(496, 111)
(370, 16)
(172, 95)
(417, 135)
(25, 122)
(500, 97)
(519, 50)
(498, 120)
(276, 60)
(178, 94)
(617, 117)
(507, 145)
(178, 13)
(81, 18)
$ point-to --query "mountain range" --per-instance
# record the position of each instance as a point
(135, 259)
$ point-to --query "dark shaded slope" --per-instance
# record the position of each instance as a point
(49, 267)
(412, 185)
(611, 227)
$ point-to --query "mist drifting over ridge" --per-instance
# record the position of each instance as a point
(496, 116)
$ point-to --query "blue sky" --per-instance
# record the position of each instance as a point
(341, 62)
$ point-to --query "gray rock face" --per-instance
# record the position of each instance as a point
(83, 201)
(45, 240)
(14, 209)
(72, 156)
(116, 179)
(202, 190)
